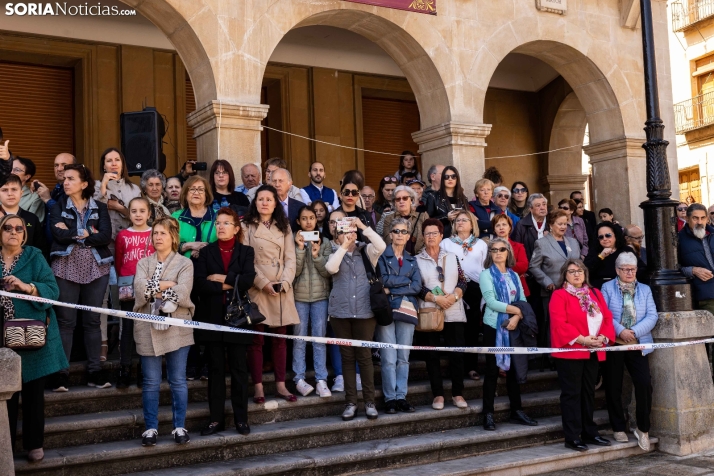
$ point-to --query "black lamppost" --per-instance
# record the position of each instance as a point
(670, 288)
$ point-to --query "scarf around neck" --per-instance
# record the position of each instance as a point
(467, 244)
(587, 304)
(503, 338)
(629, 312)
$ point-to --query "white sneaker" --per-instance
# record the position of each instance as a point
(643, 439)
(620, 437)
(339, 385)
(322, 389)
(359, 383)
(304, 388)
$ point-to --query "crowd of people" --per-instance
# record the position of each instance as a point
(503, 269)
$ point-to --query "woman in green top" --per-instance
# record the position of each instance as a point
(197, 220)
(25, 271)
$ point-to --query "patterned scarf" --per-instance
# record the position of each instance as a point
(466, 245)
(629, 313)
(583, 295)
(5, 302)
(503, 338)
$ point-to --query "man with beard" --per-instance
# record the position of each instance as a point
(317, 191)
(696, 251)
(633, 237)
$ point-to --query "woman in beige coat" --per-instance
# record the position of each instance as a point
(163, 281)
(267, 230)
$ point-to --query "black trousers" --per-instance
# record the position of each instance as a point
(489, 383)
(536, 302)
(472, 297)
(639, 368)
(33, 414)
(453, 334)
(577, 378)
(126, 338)
(238, 365)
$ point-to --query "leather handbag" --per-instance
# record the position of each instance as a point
(379, 301)
(25, 334)
(431, 319)
(242, 312)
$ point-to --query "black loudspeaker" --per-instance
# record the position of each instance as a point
(141, 140)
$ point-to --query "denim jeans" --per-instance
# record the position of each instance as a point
(176, 370)
(395, 363)
(313, 318)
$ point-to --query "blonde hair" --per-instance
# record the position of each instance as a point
(472, 218)
(481, 183)
(171, 225)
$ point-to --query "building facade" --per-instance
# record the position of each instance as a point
(480, 83)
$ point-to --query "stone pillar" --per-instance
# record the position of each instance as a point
(619, 178)
(560, 186)
(10, 382)
(683, 399)
(228, 131)
(458, 144)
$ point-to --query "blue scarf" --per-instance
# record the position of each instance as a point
(502, 334)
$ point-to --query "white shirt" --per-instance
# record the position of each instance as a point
(472, 263)
(330, 206)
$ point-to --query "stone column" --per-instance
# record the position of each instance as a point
(458, 144)
(560, 186)
(619, 178)
(228, 131)
(10, 382)
(683, 399)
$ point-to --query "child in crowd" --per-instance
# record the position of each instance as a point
(132, 244)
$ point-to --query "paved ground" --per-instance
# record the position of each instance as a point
(656, 464)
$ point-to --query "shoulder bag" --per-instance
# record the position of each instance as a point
(25, 334)
(242, 312)
(379, 301)
(431, 319)
(126, 283)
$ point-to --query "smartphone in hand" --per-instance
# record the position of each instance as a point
(277, 287)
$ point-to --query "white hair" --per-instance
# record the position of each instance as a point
(626, 258)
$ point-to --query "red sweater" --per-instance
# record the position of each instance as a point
(130, 247)
(568, 321)
(521, 267)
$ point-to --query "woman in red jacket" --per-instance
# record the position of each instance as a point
(579, 319)
(503, 226)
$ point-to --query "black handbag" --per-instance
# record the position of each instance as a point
(242, 312)
(379, 300)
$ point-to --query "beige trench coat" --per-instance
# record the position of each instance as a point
(149, 341)
(274, 261)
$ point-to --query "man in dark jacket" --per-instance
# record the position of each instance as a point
(696, 256)
(10, 193)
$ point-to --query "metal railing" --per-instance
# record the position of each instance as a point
(694, 113)
(689, 12)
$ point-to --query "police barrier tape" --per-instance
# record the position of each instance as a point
(347, 342)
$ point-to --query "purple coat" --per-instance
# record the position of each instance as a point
(578, 231)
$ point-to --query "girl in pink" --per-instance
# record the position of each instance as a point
(132, 244)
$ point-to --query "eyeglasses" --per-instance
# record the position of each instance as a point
(220, 172)
(403, 232)
(224, 223)
(431, 234)
(440, 270)
(679, 209)
(368, 197)
(501, 195)
(606, 235)
(519, 190)
(333, 222)
(575, 272)
(17, 228)
(196, 191)
(499, 250)
(402, 199)
(628, 270)
(347, 193)
(18, 170)
(390, 179)
(462, 220)
(449, 176)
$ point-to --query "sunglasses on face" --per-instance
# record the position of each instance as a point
(397, 232)
(606, 235)
(499, 250)
(402, 199)
(9, 228)
(519, 190)
(440, 270)
(565, 208)
(347, 193)
(449, 176)
(390, 179)
(681, 209)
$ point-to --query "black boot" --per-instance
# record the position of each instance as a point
(124, 378)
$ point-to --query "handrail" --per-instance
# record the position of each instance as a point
(683, 16)
(694, 113)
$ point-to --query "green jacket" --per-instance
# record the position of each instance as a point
(32, 268)
(312, 281)
(187, 232)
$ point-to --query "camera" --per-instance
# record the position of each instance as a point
(200, 166)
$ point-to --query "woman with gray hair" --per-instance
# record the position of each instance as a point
(501, 287)
(153, 184)
(404, 199)
(402, 283)
(634, 315)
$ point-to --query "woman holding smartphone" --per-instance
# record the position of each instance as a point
(312, 288)
(267, 230)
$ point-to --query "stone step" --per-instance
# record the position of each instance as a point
(125, 424)
(118, 457)
(83, 400)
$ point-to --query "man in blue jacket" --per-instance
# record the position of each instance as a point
(696, 256)
(317, 190)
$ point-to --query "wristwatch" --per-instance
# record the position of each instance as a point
(32, 288)
(456, 297)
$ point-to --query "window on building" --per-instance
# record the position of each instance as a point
(689, 185)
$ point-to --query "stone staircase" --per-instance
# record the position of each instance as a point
(97, 431)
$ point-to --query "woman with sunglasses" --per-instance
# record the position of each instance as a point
(502, 228)
(519, 197)
(443, 285)
(407, 163)
(603, 255)
(483, 206)
(501, 287)
(350, 196)
(446, 203)
(576, 226)
(681, 215)
(385, 194)
(404, 200)
(502, 197)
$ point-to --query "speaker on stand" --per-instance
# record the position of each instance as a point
(141, 140)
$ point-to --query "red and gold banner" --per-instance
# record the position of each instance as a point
(418, 6)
